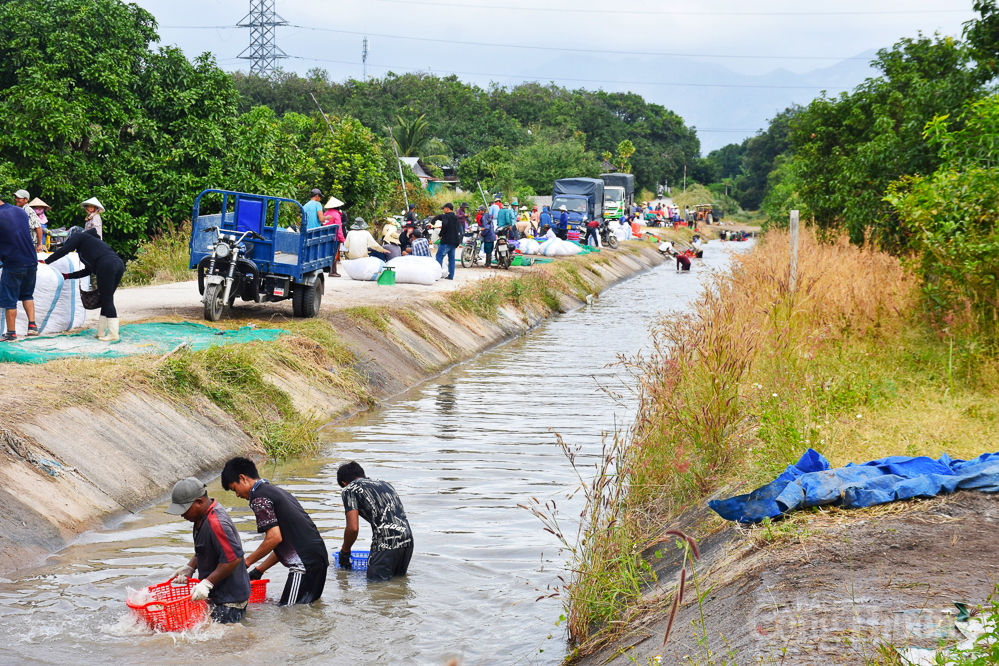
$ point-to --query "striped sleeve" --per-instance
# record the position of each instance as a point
(224, 540)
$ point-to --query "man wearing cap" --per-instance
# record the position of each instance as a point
(411, 214)
(20, 265)
(224, 581)
(495, 209)
(462, 216)
(34, 224)
(506, 220)
(450, 237)
(314, 210)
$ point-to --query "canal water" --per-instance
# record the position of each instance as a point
(463, 450)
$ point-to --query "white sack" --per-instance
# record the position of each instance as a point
(415, 270)
(365, 269)
(531, 247)
(58, 306)
(561, 248)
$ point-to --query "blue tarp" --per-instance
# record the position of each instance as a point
(811, 482)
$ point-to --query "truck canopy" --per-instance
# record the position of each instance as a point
(625, 180)
(586, 187)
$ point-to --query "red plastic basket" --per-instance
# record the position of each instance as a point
(172, 608)
(258, 590)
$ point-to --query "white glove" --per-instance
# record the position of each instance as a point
(181, 575)
(201, 590)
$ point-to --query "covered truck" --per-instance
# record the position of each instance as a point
(583, 198)
(619, 194)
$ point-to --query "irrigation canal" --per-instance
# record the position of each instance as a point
(463, 450)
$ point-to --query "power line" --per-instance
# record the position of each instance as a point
(563, 78)
(535, 47)
(575, 10)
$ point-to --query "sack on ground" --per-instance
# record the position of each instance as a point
(58, 306)
(561, 248)
(366, 269)
(415, 270)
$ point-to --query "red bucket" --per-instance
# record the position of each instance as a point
(171, 608)
(258, 590)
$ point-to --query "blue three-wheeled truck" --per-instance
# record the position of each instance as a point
(242, 251)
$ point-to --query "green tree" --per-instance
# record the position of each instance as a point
(493, 168)
(548, 158)
(625, 150)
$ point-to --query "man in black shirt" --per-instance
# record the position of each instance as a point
(451, 232)
(290, 535)
(379, 504)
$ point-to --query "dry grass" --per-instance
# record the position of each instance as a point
(754, 374)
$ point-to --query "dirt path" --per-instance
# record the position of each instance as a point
(182, 298)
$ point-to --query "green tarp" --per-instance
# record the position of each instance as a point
(135, 339)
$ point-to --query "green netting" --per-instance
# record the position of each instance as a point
(135, 339)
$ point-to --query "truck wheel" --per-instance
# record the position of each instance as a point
(306, 300)
(215, 307)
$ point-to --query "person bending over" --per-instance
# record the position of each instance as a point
(290, 535)
(218, 552)
(379, 504)
(98, 258)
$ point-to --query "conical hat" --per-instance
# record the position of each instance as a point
(38, 203)
(92, 201)
(333, 203)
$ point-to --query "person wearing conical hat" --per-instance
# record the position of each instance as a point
(333, 217)
(94, 210)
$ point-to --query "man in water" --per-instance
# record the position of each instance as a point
(379, 504)
(290, 536)
(218, 552)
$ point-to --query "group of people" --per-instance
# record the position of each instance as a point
(290, 537)
(23, 226)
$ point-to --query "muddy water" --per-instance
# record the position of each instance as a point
(463, 451)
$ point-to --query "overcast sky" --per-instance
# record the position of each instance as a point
(834, 30)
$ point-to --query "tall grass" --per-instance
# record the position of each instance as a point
(731, 390)
(161, 259)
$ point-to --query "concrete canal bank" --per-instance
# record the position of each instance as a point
(85, 442)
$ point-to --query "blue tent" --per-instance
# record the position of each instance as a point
(811, 482)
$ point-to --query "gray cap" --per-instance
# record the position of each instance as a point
(22, 194)
(184, 493)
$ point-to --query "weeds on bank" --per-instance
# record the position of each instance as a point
(234, 378)
(484, 298)
(161, 259)
(741, 384)
(370, 315)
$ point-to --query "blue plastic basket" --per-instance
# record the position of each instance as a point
(358, 560)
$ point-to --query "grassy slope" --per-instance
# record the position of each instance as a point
(734, 393)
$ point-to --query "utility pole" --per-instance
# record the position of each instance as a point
(684, 177)
(263, 49)
(793, 279)
(402, 181)
(364, 58)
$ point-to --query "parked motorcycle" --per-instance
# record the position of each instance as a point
(502, 249)
(607, 235)
(471, 246)
(228, 270)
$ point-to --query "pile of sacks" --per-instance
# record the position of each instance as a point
(551, 247)
(408, 269)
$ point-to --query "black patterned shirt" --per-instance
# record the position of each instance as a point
(379, 504)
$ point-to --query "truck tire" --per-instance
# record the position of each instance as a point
(306, 300)
(215, 307)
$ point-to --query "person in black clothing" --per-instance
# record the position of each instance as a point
(290, 535)
(451, 232)
(379, 504)
(98, 258)
(411, 214)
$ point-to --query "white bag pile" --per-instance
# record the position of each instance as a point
(530, 246)
(366, 269)
(416, 270)
(559, 248)
(58, 305)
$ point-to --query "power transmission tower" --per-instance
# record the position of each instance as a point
(263, 51)
(364, 59)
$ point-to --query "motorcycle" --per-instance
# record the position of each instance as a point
(221, 282)
(607, 235)
(470, 247)
(502, 249)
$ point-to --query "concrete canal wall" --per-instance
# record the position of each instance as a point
(73, 460)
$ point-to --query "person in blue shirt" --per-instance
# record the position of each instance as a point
(488, 235)
(20, 264)
(563, 224)
(545, 220)
(314, 211)
(495, 209)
